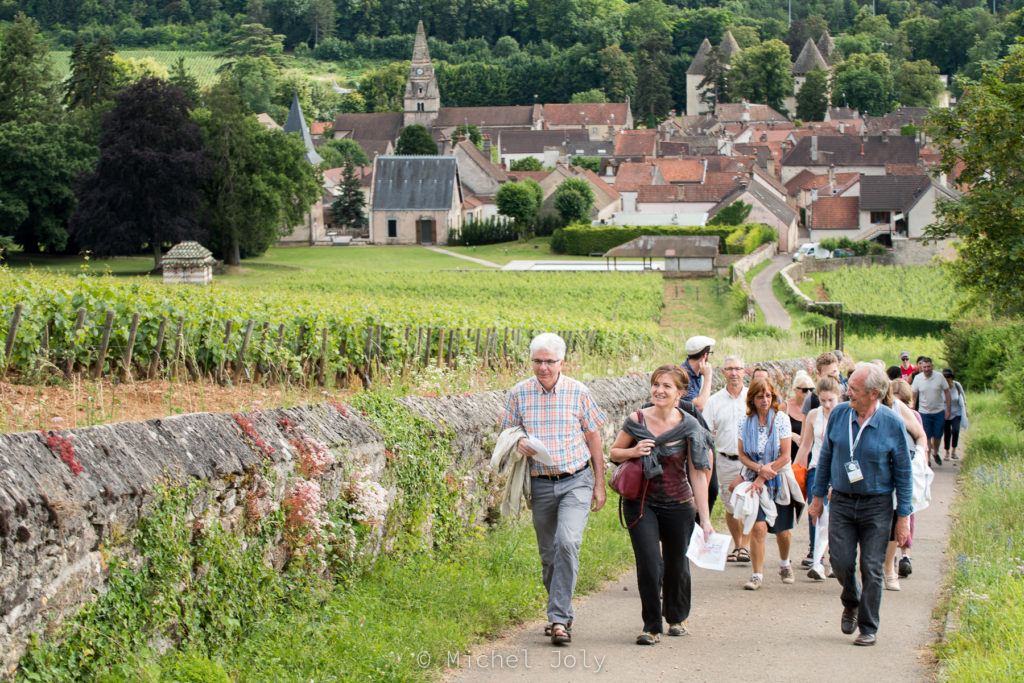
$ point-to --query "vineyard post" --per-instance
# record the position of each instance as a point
(419, 342)
(278, 369)
(223, 358)
(154, 362)
(97, 368)
(322, 374)
(44, 350)
(179, 344)
(126, 361)
(366, 349)
(379, 350)
(440, 347)
(69, 361)
(406, 352)
(300, 345)
(476, 349)
(241, 354)
(427, 341)
(11, 332)
(487, 345)
(451, 343)
(263, 349)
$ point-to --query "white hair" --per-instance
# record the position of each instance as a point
(732, 357)
(876, 379)
(548, 341)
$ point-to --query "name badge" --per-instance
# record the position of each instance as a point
(853, 471)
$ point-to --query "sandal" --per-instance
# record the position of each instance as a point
(568, 629)
(560, 635)
(742, 555)
(734, 556)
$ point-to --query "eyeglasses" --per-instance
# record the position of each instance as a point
(732, 369)
(804, 389)
(542, 361)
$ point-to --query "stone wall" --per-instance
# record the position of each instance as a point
(53, 523)
(762, 253)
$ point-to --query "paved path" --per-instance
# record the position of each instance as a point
(761, 288)
(456, 254)
(779, 633)
(632, 266)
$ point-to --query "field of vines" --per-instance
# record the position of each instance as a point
(324, 325)
(202, 65)
(912, 292)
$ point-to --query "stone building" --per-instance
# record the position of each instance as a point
(188, 262)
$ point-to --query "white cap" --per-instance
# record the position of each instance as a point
(697, 344)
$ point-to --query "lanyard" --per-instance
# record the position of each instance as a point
(849, 429)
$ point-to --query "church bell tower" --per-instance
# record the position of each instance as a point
(422, 98)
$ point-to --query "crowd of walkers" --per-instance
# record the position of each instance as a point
(852, 451)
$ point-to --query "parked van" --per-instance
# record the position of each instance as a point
(811, 249)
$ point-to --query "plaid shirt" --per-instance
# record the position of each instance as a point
(557, 418)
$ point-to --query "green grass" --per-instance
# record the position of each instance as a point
(903, 291)
(753, 272)
(985, 596)
(537, 249)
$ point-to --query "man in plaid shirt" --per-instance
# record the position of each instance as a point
(559, 412)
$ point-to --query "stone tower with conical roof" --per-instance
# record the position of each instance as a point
(422, 97)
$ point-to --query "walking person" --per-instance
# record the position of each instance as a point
(722, 413)
(763, 444)
(828, 390)
(826, 365)
(802, 386)
(698, 370)
(932, 400)
(957, 413)
(560, 413)
(864, 459)
(917, 443)
(676, 454)
(907, 369)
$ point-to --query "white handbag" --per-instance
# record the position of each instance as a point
(922, 476)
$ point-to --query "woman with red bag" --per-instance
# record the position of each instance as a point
(674, 450)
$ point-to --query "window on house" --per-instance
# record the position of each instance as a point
(880, 217)
(419, 106)
(392, 227)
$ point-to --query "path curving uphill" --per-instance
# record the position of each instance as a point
(761, 288)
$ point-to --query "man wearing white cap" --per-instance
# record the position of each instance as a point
(698, 369)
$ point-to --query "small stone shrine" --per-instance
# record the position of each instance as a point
(188, 262)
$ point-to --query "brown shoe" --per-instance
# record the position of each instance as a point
(865, 639)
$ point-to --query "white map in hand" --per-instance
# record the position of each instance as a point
(542, 456)
(710, 555)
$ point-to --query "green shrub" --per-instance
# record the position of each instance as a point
(558, 241)
(583, 239)
(488, 231)
(759, 234)
(757, 331)
(980, 353)
(734, 242)
(1013, 386)
(738, 298)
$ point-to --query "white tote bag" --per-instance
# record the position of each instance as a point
(922, 476)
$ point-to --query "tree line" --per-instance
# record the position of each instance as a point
(113, 162)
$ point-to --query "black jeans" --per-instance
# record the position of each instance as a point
(660, 540)
(864, 523)
(951, 431)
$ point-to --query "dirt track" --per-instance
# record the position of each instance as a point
(780, 633)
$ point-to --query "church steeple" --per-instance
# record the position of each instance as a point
(422, 97)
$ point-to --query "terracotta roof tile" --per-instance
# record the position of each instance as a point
(484, 116)
(632, 175)
(658, 193)
(594, 114)
(836, 213)
(636, 143)
(319, 127)
(516, 176)
(708, 192)
(681, 170)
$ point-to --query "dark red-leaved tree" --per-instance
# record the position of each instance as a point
(146, 190)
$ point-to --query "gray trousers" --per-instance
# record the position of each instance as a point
(862, 523)
(560, 511)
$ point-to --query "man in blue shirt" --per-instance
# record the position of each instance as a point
(698, 369)
(864, 458)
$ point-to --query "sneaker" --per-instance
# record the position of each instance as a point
(937, 458)
(953, 455)
(816, 572)
(677, 629)
(945, 456)
(905, 569)
(786, 574)
(753, 584)
(807, 561)
(647, 638)
(892, 583)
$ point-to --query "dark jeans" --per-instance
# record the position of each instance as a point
(864, 523)
(660, 540)
(951, 431)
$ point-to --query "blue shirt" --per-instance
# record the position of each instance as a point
(881, 453)
(696, 382)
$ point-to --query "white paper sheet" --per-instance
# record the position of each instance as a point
(542, 456)
(710, 555)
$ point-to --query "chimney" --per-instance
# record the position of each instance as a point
(814, 149)
(832, 176)
(885, 137)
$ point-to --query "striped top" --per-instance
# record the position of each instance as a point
(557, 418)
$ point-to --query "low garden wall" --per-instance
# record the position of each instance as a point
(69, 498)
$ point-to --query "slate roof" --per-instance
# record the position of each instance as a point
(534, 141)
(188, 253)
(636, 143)
(700, 59)
(780, 209)
(835, 213)
(894, 120)
(705, 246)
(847, 150)
(891, 193)
(809, 59)
(681, 170)
(807, 180)
(728, 47)
(268, 121)
(590, 148)
(594, 114)
(672, 148)
(296, 123)
(382, 126)
(410, 183)
(826, 46)
(494, 117)
(744, 112)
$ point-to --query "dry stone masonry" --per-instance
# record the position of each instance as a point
(54, 524)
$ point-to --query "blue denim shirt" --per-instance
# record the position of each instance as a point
(696, 382)
(882, 454)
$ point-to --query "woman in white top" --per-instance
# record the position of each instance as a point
(829, 391)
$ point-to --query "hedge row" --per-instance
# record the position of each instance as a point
(868, 323)
(582, 240)
(987, 355)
